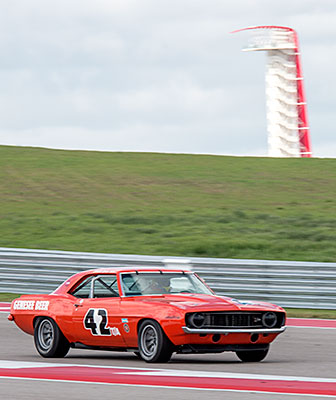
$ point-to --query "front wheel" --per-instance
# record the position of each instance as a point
(49, 340)
(252, 355)
(154, 346)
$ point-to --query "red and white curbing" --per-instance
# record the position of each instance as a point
(311, 323)
(177, 379)
(5, 307)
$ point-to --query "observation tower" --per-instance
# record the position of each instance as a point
(287, 121)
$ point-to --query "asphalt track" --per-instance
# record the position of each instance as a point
(301, 362)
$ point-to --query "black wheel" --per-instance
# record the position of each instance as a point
(154, 346)
(49, 340)
(252, 355)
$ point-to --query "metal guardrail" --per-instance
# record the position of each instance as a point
(287, 283)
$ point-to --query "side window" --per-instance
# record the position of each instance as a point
(105, 286)
(83, 290)
(131, 285)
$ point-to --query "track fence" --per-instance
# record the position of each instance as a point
(287, 283)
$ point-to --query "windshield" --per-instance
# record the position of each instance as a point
(151, 283)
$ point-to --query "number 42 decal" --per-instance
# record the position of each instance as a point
(96, 321)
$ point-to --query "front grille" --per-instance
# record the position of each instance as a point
(240, 320)
(232, 320)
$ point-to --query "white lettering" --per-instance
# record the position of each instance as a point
(42, 305)
(24, 305)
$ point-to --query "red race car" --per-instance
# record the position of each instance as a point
(151, 311)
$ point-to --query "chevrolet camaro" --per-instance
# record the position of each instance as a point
(152, 312)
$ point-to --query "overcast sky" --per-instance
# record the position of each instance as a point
(155, 75)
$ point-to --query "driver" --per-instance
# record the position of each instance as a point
(165, 284)
(159, 285)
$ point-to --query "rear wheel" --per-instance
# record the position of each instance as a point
(252, 355)
(154, 346)
(49, 340)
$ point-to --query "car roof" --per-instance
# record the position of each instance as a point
(110, 270)
(74, 279)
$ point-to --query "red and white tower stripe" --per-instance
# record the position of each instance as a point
(287, 121)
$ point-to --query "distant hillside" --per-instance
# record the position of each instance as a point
(168, 204)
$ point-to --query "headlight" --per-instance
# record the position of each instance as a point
(269, 319)
(197, 320)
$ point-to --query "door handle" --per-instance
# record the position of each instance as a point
(78, 305)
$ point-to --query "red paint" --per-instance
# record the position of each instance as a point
(143, 377)
(314, 323)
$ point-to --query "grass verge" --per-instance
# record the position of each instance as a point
(310, 313)
(6, 297)
(168, 204)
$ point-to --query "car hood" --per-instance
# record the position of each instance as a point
(203, 302)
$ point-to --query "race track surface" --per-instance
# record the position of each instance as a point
(301, 362)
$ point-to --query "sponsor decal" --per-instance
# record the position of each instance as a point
(126, 328)
(31, 305)
(124, 320)
(115, 331)
(42, 305)
(24, 305)
(172, 317)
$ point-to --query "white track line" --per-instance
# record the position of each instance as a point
(7, 364)
(174, 387)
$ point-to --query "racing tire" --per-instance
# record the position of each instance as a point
(153, 344)
(49, 340)
(252, 355)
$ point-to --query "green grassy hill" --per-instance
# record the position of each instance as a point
(166, 204)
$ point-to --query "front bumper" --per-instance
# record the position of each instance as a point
(224, 331)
